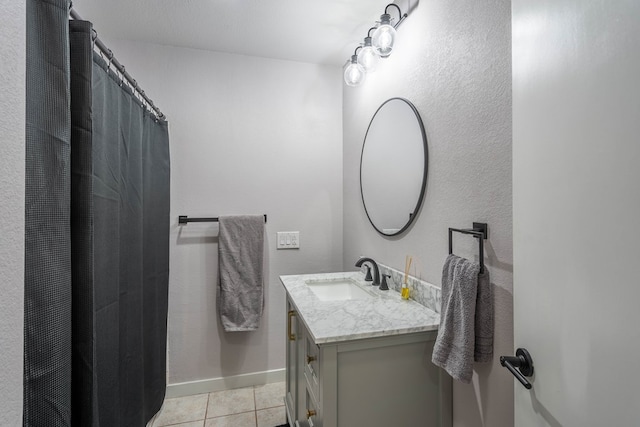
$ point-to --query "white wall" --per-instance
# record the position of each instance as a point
(12, 140)
(248, 135)
(453, 61)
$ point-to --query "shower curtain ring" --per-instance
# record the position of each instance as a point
(122, 71)
(110, 59)
(94, 37)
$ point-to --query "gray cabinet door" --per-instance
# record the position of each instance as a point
(291, 396)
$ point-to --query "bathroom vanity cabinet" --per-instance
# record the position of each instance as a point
(376, 381)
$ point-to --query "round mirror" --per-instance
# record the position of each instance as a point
(393, 166)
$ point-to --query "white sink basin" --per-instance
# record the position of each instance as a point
(337, 289)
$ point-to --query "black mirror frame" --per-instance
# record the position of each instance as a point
(423, 188)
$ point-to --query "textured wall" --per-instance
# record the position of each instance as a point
(453, 61)
(12, 128)
(248, 135)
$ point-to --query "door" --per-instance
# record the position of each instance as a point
(576, 194)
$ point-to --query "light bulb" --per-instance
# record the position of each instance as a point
(368, 57)
(354, 73)
(384, 36)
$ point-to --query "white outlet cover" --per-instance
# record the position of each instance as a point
(287, 240)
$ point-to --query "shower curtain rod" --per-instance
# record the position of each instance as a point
(120, 68)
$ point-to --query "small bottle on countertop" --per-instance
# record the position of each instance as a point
(405, 291)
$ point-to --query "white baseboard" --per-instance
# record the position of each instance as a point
(225, 383)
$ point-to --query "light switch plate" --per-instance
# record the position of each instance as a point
(288, 240)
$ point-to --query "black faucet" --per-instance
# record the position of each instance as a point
(376, 271)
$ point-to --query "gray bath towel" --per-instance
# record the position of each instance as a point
(240, 254)
(455, 344)
(483, 348)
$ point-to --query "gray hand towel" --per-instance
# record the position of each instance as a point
(483, 351)
(454, 347)
(240, 256)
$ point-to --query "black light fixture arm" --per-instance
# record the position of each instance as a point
(401, 17)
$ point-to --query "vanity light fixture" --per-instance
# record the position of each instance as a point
(355, 73)
(368, 57)
(385, 35)
(380, 44)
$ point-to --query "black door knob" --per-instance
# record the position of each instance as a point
(520, 365)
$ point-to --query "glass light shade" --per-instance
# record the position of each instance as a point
(383, 37)
(354, 73)
(368, 58)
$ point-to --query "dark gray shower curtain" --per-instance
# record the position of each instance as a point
(97, 235)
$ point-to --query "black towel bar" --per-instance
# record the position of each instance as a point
(480, 231)
(183, 219)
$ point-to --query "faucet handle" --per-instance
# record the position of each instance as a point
(383, 285)
(367, 276)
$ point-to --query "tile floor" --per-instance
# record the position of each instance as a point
(259, 406)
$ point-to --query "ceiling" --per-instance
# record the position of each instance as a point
(316, 31)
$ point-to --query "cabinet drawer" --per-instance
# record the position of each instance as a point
(313, 386)
(312, 367)
(312, 413)
(312, 353)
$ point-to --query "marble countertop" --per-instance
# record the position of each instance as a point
(385, 313)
